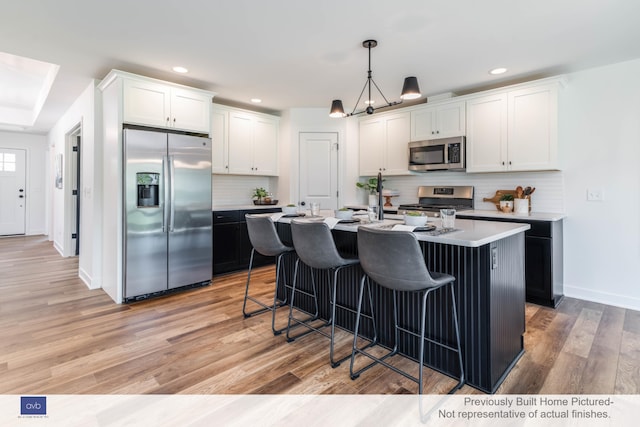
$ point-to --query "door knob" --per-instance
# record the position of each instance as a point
(302, 203)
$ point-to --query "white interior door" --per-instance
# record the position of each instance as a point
(12, 191)
(318, 177)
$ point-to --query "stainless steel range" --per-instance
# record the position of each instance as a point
(433, 198)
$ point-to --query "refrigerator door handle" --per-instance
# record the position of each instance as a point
(172, 207)
(166, 200)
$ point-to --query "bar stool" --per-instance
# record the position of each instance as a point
(316, 248)
(265, 240)
(394, 260)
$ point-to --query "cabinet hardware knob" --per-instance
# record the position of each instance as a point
(437, 131)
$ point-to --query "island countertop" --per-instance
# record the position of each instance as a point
(468, 233)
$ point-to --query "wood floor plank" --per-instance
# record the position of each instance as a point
(58, 337)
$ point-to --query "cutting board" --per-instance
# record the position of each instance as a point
(496, 199)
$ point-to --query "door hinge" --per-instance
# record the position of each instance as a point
(74, 235)
(75, 148)
(337, 193)
(74, 192)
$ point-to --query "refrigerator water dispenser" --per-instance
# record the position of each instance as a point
(148, 184)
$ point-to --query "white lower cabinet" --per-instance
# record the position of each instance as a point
(384, 143)
(514, 130)
(244, 142)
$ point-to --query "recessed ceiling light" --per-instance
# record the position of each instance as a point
(180, 70)
(498, 70)
(256, 100)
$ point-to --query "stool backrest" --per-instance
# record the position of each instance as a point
(393, 259)
(263, 236)
(314, 245)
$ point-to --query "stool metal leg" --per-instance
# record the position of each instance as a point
(264, 307)
(462, 380)
(334, 305)
(397, 330)
(278, 303)
(312, 316)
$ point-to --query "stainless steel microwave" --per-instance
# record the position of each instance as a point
(437, 154)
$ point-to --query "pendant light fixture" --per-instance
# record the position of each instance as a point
(410, 90)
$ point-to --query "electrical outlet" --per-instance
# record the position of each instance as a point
(595, 194)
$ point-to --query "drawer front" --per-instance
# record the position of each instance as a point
(222, 217)
(539, 229)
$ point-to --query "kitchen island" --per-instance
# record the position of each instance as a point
(487, 259)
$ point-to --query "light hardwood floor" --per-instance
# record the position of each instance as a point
(58, 337)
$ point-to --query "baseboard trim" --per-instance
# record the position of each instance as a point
(58, 248)
(86, 278)
(623, 301)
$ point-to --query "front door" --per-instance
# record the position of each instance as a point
(318, 177)
(12, 191)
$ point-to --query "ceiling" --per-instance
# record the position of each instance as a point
(293, 53)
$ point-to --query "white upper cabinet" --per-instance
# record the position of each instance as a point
(438, 121)
(487, 133)
(219, 141)
(244, 142)
(153, 103)
(533, 128)
(384, 143)
(513, 130)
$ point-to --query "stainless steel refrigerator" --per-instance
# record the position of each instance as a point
(167, 212)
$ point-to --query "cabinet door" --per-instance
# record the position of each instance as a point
(487, 133)
(372, 145)
(423, 124)
(240, 143)
(538, 277)
(190, 110)
(451, 120)
(226, 247)
(533, 129)
(265, 146)
(219, 141)
(146, 103)
(398, 130)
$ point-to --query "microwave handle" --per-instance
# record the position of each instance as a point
(446, 153)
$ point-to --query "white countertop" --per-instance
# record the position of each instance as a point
(535, 216)
(469, 233)
(245, 207)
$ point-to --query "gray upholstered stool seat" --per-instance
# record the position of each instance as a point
(394, 260)
(265, 240)
(316, 248)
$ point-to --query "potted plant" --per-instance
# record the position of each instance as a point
(506, 203)
(371, 185)
(258, 195)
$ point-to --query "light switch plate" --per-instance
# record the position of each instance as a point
(595, 194)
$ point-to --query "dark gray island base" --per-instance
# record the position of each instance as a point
(490, 296)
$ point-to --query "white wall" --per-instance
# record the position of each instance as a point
(298, 120)
(82, 112)
(36, 175)
(600, 145)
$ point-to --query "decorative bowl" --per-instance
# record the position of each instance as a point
(415, 221)
(290, 210)
(344, 214)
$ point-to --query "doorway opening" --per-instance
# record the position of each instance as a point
(73, 191)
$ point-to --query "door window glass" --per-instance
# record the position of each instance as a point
(7, 162)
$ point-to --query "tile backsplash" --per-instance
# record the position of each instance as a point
(238, 189)
(548, 197)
